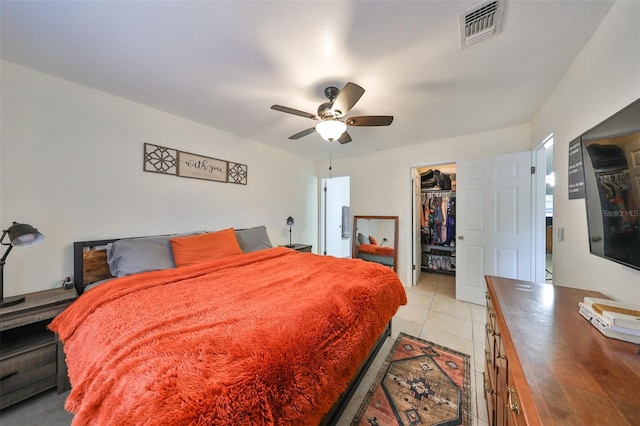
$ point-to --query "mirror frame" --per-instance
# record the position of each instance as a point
(354, 236)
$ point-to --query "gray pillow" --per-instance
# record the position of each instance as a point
(362, 239)
(135, 255)
(253, 239)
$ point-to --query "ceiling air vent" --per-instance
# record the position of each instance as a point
(480, 22)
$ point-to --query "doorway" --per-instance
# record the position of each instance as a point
(433, 220)
(494, 223)
(545, 183)
(336, 216)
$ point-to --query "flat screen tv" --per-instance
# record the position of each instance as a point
(611, 164)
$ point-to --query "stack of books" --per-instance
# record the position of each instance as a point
(613, 319)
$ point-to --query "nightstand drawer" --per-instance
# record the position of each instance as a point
(31, 358)
(27, 369)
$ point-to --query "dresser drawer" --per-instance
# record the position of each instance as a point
(515, 410)
(27, 368)
(492, 336)
(490, 399)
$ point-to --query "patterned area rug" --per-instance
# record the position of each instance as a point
(420, 383)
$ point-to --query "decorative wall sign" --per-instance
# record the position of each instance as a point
(169, 161)
(158, 159)
(237, 173)
(199, 167)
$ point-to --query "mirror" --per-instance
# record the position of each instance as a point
(375, 239)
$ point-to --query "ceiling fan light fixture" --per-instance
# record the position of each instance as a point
(331, 130)
(332, 125)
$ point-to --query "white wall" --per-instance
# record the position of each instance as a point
(381, 181)
(604, 78)
(71, 165)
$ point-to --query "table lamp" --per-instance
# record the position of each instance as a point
(290, 223)
(20, 234)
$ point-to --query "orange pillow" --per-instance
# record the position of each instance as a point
(373, 240)
(203, 247)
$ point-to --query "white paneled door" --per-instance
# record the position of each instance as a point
(493, 222)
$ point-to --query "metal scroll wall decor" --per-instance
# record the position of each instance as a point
(169, 161)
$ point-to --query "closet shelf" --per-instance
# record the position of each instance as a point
(430, 247)
(438, 191)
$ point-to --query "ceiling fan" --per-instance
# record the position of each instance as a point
(332, 122)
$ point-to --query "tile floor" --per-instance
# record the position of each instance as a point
(431, 314)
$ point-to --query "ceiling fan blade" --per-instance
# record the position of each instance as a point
(294, 111)
(303, 133)
(369, 120)
(344, 138)
(347, 98)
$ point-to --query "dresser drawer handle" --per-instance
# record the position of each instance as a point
(7, 376)
(490, 331)
(513, 401)
(487, 387)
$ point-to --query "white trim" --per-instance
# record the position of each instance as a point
(538, 203)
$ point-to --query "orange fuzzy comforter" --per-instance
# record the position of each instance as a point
(269, 337)
(375, 249)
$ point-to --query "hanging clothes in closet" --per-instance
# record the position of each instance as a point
(438, 218)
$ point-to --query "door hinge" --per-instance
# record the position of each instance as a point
(413, 267)
(533, 170)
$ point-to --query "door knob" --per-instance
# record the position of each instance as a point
(461, 237)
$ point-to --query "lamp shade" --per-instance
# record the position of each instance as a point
(331, 130)
(22, 234)
(290, 221)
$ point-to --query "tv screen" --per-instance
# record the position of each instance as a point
(611, 164)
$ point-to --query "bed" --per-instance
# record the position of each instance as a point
(261, 336)
(367, 248)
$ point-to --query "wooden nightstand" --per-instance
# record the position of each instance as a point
(301, 247)
(31, 357)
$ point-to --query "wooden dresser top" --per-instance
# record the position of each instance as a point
(575, 374)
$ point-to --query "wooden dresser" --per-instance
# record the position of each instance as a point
(31, 358)
(546, 365)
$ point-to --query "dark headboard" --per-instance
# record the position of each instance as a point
(90, 260)
(90, 263)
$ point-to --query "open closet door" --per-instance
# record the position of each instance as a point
(493, 223)
(416, 246)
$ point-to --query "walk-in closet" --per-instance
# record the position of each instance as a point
(437, 214)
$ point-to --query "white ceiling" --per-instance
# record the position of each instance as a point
(224, 63)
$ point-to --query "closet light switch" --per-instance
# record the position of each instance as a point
(560, 234)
